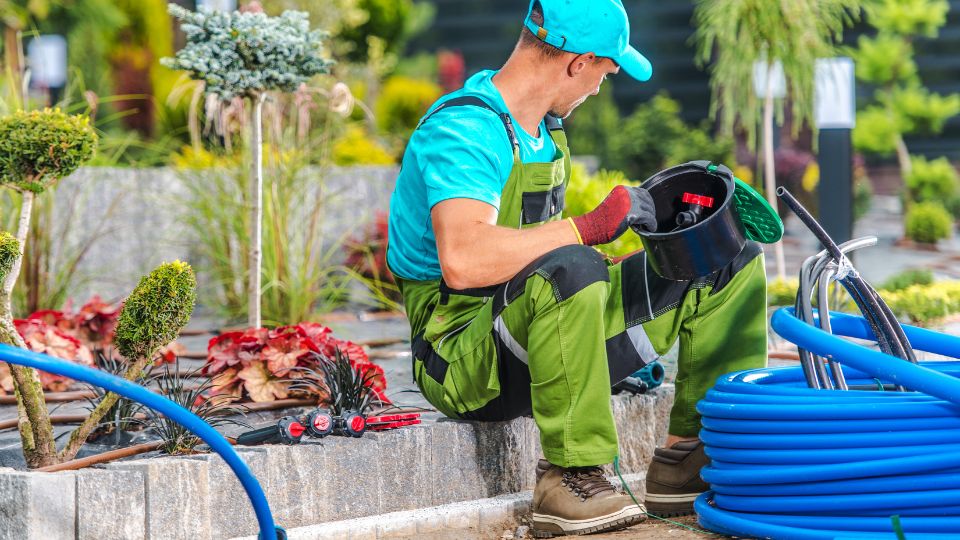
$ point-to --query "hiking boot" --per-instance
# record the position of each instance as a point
(673, 479)
(579, 500)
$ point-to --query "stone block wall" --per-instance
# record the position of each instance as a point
(315, 482)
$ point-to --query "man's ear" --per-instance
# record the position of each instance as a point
(579, 63)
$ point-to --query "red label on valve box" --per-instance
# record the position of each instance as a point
(702, 200)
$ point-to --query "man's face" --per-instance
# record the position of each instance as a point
(587, 77)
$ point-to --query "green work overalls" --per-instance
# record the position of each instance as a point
(552, 339)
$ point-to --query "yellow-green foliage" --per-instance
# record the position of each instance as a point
(908, 17)
(156, 311)
(37, 148)
(402, 102)
(585, 192)
(9, 251)
(919, 110)
(934, 181)
(918, 303)
(883, 59)
(921, 304)
(876, 131)
(782, 292)
(927, 222)
(357, 147)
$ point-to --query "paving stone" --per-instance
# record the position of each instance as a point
(177, 496)
(352, 475)
(296, 483)
(111, 504)
(231, 513)
(405, 479)
(508, 454)
(456, 473)
(37, 506)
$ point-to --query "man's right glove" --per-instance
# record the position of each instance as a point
(623, 207)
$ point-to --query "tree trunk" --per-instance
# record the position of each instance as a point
(13, 60)
(36, 431)
(903, 158)
(79, 435)
(256, 211)
(769, 175)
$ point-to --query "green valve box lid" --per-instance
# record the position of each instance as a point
(761, 222)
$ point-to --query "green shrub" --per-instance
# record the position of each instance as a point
(698, 144)
(919, 111)
(934, 181)
(646, 138)
(403, 102)
(593, 126)
(922, 304)
(883, 59)
(907, 278)
(9, 251)
(37, 148)
(157, 309)
(357, 147)
(585, 192)
(876, 131)
(782, 292)
(927, 222)
(655, 137)
(387, 20)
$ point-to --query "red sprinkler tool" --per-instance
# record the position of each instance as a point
(321, 423)
(288, 430)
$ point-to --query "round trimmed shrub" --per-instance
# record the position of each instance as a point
(157, 309)
(928, 222)
(934, 180)
(37, 148)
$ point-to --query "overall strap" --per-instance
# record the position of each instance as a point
(553, 123)
(474, 101)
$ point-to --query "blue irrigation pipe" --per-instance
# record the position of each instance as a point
(788, 461)
(43, 362)
(874, 363)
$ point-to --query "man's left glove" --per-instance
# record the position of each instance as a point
(624, 207)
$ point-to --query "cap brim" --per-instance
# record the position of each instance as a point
(635, 64)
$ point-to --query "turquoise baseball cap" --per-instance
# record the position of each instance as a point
(585, 26)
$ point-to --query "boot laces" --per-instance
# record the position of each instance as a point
(585, 482)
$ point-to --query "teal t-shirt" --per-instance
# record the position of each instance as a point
(462, 152)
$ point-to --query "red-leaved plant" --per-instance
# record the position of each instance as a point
(48, 339)
(94, 324)
(72, 336)
(261, 364)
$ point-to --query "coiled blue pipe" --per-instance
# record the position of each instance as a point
(268, 530)
(793, 462)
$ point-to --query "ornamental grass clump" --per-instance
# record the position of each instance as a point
(246, 55)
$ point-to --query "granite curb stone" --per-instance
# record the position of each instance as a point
(111, 504)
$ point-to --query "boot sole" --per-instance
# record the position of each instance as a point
(545, 526)
(674, 505)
